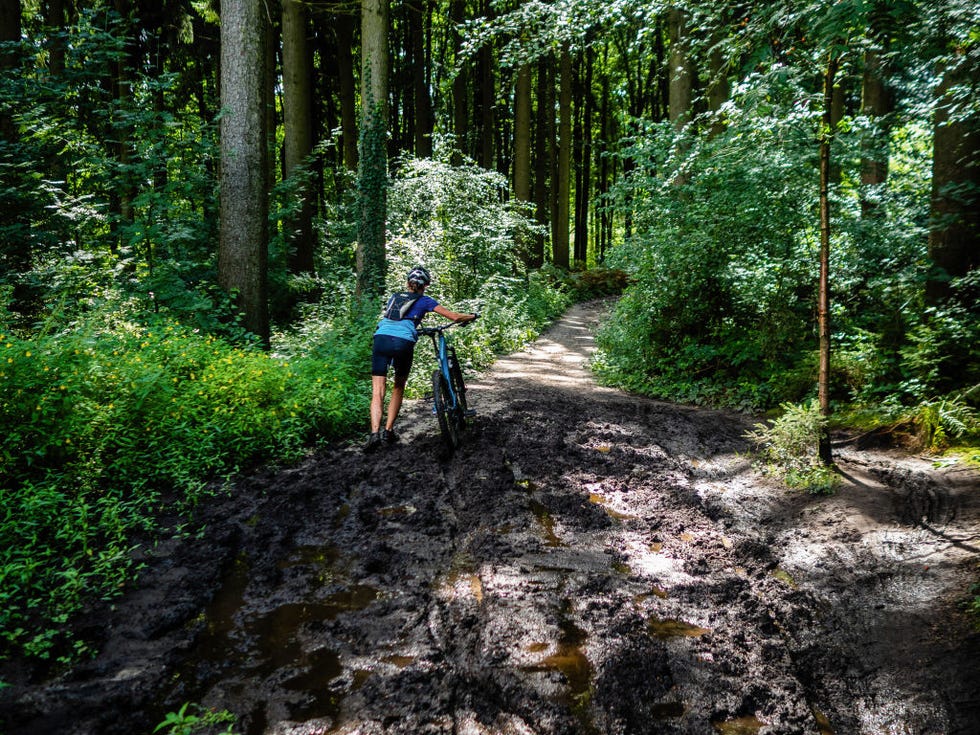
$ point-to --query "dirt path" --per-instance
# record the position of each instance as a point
(589, 562)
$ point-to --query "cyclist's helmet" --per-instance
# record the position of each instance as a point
(418, 276)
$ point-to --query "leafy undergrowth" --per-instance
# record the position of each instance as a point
(111, 422)
(116, 420)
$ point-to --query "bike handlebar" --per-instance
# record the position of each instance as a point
(443, 327)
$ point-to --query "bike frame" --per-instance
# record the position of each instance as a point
(441, 348)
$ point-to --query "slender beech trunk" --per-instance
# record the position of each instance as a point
(522, 144)
(420, 79)
(544, 122)
(122, 132)
(298, 130)
(681, 78)
(457, 14)
(602, 187)
(522, 133)
(954, 238)
(578, 155)
(344, 29)
(563, 183)
(718, 88)
(823, 295)
(583, 186)
(681, 84)
(487, 99)
(10, 31)
(16, 255)
(875, 105)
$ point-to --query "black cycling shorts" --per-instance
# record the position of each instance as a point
(390, 351)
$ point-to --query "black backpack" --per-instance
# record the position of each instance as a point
(399, 305)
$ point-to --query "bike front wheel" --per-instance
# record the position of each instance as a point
(456, 380)
(449, 417)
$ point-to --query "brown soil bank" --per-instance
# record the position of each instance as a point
(588, 562)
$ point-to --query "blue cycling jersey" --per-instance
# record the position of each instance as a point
(407, 328)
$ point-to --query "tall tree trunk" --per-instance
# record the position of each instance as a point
(16, 256)
(373, 160)
(602, 186)
(401, 102)
(298, 130)
(54, 18)
(522, 142)
(954, 237)
(718, 89)
(122, 132)
(583, 185)
(681, 83)
(578, 151)
(875, 105)
(681, 79)
(243, 243)
(543, 124)
(487, 100)
(418, 17)
(457, 14)
(563, 183)
(10, 32)
(344, 28)
(823, 294)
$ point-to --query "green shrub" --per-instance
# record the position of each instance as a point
(584, 285)
(113, 419)
(790, 448)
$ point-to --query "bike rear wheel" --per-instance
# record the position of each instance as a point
(449, 417)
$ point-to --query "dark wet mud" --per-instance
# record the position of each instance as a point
(588, 562)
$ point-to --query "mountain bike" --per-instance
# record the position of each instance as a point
(448, 388)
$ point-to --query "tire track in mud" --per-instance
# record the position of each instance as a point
(588, 562)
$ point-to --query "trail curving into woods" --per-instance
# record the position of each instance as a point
(588, 562)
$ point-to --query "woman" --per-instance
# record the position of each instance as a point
(394, 345)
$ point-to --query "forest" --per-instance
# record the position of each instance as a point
(202, 204)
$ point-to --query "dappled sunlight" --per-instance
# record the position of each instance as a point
(558, 359)
(651, 562)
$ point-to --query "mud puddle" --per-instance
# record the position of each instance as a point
(588, 562)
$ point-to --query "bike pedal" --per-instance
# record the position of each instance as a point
(470, 412)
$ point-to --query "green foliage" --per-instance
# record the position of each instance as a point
(113, 419)
(455, 220)
(790, 448)
(110, 190)
(723, 267)
(973, 605)
(184, 723)
(720, 297)
(585, 285)
(938, 422)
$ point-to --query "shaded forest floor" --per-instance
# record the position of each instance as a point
(588, 562)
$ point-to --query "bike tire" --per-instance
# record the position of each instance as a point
(459, 387)
(448, 417)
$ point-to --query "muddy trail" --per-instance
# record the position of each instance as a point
(588, 562)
